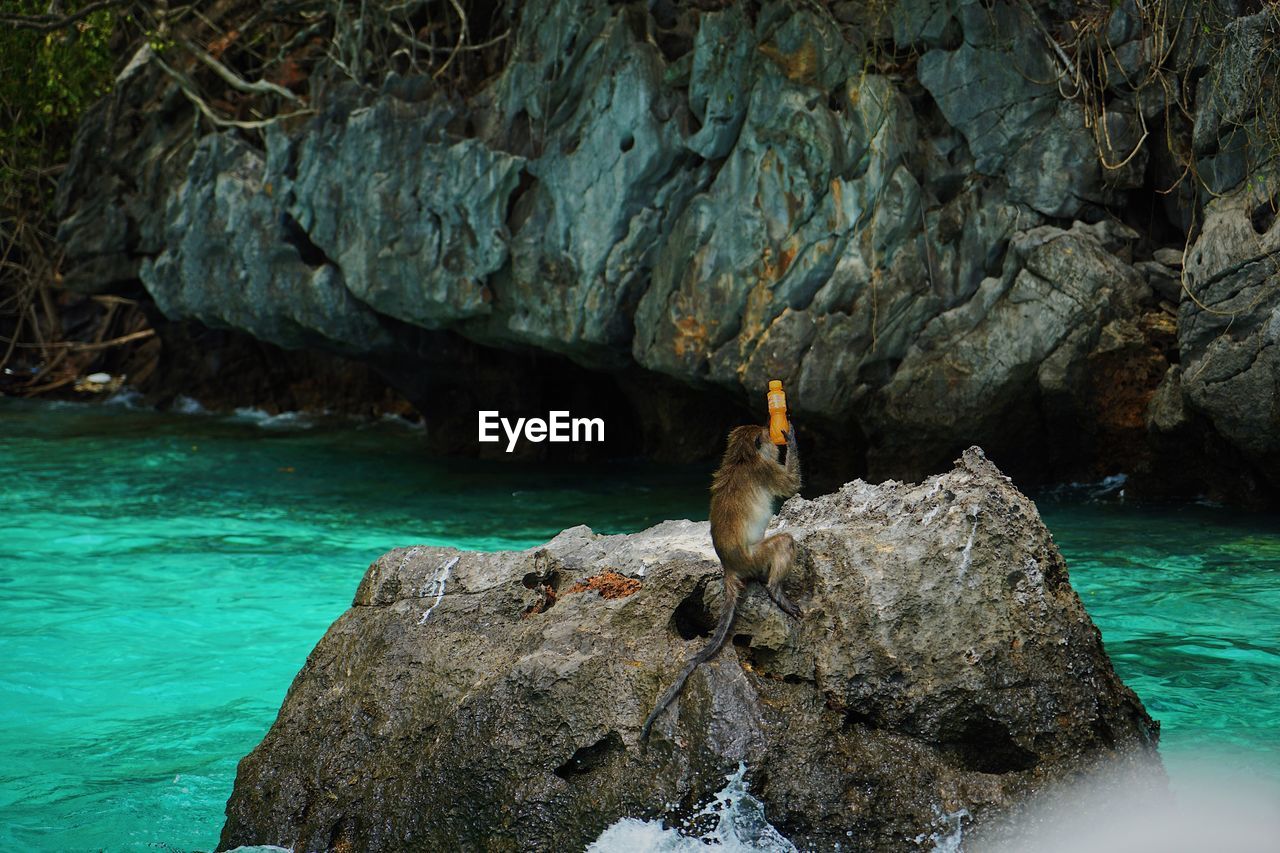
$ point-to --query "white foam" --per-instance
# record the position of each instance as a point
(185, 405)
(126, 398)
(284, 420)
(396, 420)
(740, 827)
(949, 837)
(1106, 489)
(1210, 809)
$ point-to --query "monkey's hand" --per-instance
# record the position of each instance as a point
(790, 461)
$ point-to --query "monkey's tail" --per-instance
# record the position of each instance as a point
(707, 653)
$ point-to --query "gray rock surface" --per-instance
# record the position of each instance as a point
(261, 280)
(1015, 123)
(1229, 326)
(415, 222)
(113, 196)
(1023, 336)
(726, 194)
(492, 701)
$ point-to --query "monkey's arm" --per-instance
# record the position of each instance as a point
(787, 481)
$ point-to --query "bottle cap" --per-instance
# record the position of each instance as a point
(775, 384)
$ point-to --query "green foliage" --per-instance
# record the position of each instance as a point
(47, 79)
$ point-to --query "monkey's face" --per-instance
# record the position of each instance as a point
(766, 448)
(753, 441)
(751, 444)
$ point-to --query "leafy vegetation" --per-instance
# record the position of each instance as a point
(49, 79)
(54, 67)
(241, 64)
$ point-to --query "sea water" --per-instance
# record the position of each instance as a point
(163, 577)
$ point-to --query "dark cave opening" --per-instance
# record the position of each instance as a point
(590, 757)
(692, 618)
(985, 745)
(1263, 215)
(1145, 211)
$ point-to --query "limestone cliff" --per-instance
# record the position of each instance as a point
(1045, 227)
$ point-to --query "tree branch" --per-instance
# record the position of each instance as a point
(234, 80)
(462, 38)
(189, 90)
(47, 23)
(83, 346)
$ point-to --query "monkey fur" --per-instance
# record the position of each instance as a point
(753, 472)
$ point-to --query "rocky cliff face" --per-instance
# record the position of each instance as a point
(473, 701)
(1050, 230)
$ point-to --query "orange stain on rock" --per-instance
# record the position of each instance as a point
(836, 220)
(785, 257)
(756, 313)
(772, 269)
(768, 269)
(609, 584)
(800, 66)
(691, 336)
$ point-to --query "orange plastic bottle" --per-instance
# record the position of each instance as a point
(777, 412)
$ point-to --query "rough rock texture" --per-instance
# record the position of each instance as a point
(997, 90)
(1021, 342)
(260, 281)
(473, 701)
(1230, 334)
(938, 221)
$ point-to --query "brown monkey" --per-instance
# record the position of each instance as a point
(753, 472)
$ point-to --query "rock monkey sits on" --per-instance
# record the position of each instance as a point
(753, 472)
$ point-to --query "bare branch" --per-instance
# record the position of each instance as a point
(84, 346)
(1106, 134)
(422, 45)
(189, 90)
(47, 23)
(236, 81)
(462, 37)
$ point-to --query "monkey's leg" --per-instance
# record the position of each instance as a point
(775, 557)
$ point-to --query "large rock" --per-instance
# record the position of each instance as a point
(1229, 321)
(125, 163)
(231, 260)
(611, 175)
(1003, 357)
(415, 221)
(1016, 124)
(492, 701)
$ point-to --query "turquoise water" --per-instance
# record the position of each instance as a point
(162, 579)
(1188, 601)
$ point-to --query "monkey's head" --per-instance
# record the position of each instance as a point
(750, 445)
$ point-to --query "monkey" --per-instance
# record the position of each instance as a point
(752, 473)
